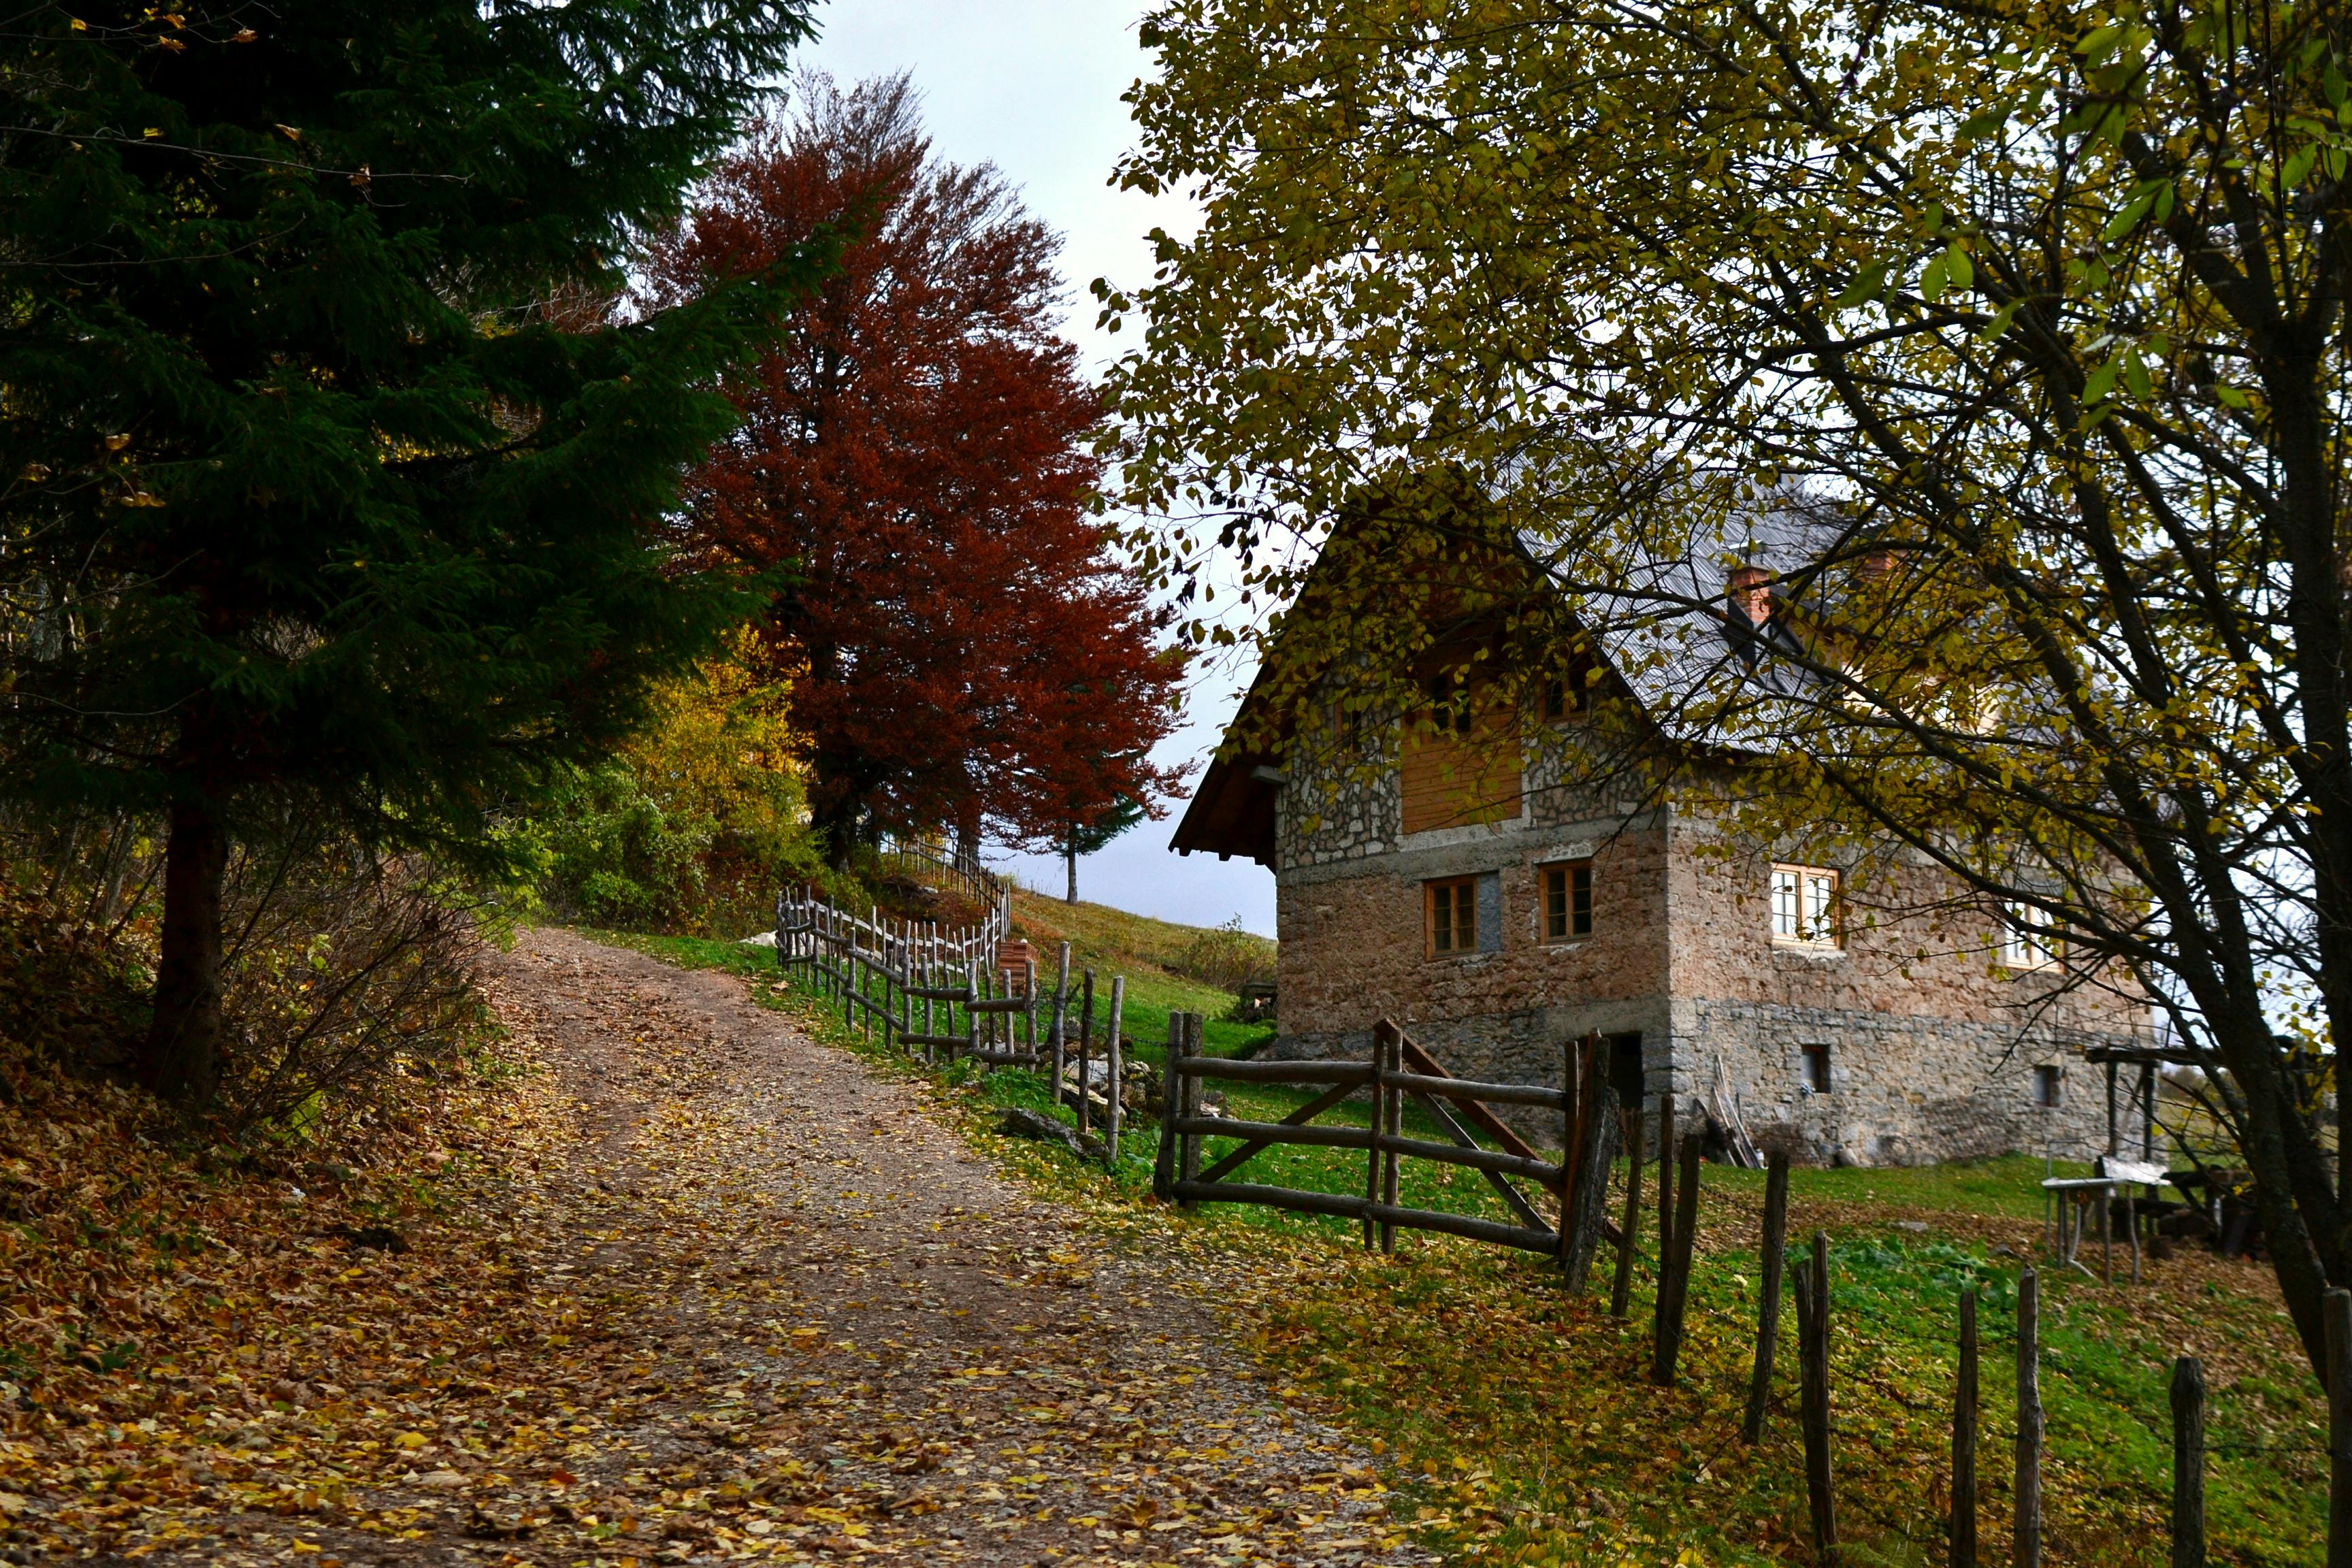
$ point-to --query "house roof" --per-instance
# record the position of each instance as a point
(1698, 672)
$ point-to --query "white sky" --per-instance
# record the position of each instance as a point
(1034, 86)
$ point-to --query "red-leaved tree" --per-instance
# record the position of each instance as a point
(913, 455)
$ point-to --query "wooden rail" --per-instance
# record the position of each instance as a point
(1400, 1070)
(944, 991)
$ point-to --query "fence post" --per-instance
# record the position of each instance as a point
(2026, 1549)
(1086, 1042)
(1391, 1128)
(1163, 1168)
(1568, 1154)
(1674, 1280)
(1188, 1150)
(1379, 1120)
(2335, 1307)
(1963, 1440)
(1620, 1291)
(1591, 1184)
(1061, 1018)
(2188, 1463)
(1774, 1260)
(1814, 1347)
(971, 996)
(1115, 1057)
(1665, 1224)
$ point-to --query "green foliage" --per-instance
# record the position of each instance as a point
(335, 472)
(694, 823)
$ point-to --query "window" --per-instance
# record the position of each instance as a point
(2045, 1087)
(1567, 900)
(2025, 940)
(1563, 698)
(1451, 915)
(1814, 1062)
(1805, 906)
(1450, 708)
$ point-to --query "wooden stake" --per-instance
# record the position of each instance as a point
(1190, 1148)
(1674, 1289)
(1061, 1020)
(1774, 1258)
(1163, 1170)
(1963, 1440)
(1115, 1056)
(2025, 1550)
(1621, 1290)
(1814, 1406)
(1379, 1120)
(2188, 1463)
(1086, 1043)
(1665, 1225)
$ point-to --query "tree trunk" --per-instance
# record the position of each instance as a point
(1070, 855)
(182, 1061)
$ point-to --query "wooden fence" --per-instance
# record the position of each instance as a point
(1576, 1180)
(957, 995)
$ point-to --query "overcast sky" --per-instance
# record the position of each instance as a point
(1032, 87)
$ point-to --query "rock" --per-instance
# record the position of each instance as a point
(1919, 1226)
(1023, 1122)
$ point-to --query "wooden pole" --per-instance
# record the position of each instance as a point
(2025, 1550)
(1963, 1440)
(1774, 1258)
(1813, 1342)
(2188, 1463)
(1379, 1120)
(1582, 1225)
(1163, 1168)
(1189, 1146)
(1666, 1225)
(1061, 1018)
(1085, 1041)
(1621, 1290)
(1674, 1289)
(1114, 1057)
(1569, 1151)
(2335, 1308)
(1391, 1126)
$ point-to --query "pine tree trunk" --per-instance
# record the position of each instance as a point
(182, 1061)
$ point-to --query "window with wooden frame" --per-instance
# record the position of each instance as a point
(2045, 1087)
(1450, 916)
(1805, 910)
(2025, 939)
(1566, 887)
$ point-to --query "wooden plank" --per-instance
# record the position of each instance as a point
(1510, 1195)
(1471, 1089)
(1538, 1238)
(1494, 1162)
(1582, 1209)
(1813, 1341)
(1304, 1114)
(1275, 1072)
(1265, 1132)
(1487, 1122)
(1292, 1198)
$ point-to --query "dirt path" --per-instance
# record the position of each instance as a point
(849, 1338)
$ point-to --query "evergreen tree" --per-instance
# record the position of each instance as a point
(336, 478)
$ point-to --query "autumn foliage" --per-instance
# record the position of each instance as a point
(912, 457)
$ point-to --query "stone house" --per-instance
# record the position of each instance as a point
(1459, 878)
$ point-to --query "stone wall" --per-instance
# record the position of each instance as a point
(1932, 1046)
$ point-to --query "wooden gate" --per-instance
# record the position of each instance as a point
(1577, 1180)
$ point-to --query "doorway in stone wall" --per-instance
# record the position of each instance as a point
(1625, 1071)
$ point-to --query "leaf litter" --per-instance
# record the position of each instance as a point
(681, 1286)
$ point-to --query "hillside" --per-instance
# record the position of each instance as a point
(1169, 967)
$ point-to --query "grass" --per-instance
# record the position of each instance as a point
(1522, 1428)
